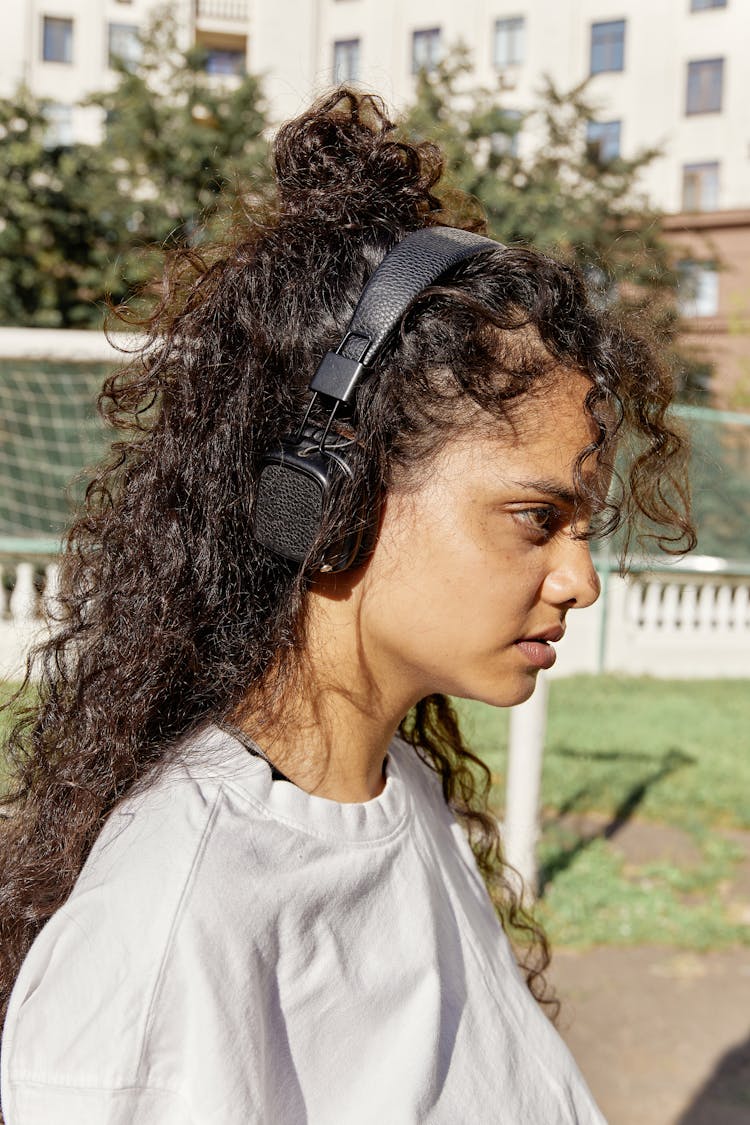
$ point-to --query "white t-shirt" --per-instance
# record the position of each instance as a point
(238, 952)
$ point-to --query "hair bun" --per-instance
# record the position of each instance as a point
(339, 163)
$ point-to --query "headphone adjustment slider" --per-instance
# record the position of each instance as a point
(338, 376)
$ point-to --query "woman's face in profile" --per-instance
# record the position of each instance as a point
(481, 558)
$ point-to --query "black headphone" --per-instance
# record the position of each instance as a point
(301, 477)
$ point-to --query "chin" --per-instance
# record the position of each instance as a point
(513, 690)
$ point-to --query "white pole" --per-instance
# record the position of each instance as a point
(528, 724)
(23, 599)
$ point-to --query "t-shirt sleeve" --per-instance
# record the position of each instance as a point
(33, 1103)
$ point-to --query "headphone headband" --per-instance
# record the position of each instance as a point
(413, 264)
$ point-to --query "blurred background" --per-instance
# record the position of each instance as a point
(612, 134)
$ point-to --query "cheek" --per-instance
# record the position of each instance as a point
(438, 591)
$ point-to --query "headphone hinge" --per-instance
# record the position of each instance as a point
(338, 375)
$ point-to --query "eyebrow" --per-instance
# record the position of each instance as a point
(550, 488)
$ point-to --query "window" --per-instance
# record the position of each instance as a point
(124, 45)
(57, 40)
(698, 288)
(701, 5)
(346, 60)
(603, 140)
(425, 49)
(509, 47)
(705, 82)
(700, 187)
(59, 131)
(225, 60)
(607, 46)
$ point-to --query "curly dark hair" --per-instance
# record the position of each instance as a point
(171, 612)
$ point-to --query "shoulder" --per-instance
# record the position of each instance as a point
(101, 955)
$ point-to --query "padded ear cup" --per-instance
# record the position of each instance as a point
(300, 487)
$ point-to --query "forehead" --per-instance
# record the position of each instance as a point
(544, 433)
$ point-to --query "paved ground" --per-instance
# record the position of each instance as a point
(662, 1036)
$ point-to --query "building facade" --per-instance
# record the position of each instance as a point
(669, 75)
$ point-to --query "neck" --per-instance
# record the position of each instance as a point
(332, 733)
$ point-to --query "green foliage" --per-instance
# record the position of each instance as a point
(8, 716)
(80, 224)
(46, 233)
(179, 150)
(556, 193)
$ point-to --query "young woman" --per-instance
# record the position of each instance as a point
(245, 870)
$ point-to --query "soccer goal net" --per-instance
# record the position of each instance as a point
(49, 431)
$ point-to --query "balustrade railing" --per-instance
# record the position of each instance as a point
(26, 602)
(236, 11)
(684, 606)
(689, 619)
(28, 606)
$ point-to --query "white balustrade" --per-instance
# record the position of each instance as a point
(27, 614)
(671, 609)
(23, 598)
(689, 606)
(651, 616)
(677, 622)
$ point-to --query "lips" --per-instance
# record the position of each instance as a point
(552, 635)
(537, 648)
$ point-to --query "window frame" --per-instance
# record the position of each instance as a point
(426, 34)
(514, 26)
(356, 44)
(695, 168)
(700, 270)
(507, 144)
(592, 126)
(130, 64)
(608, 69)
(48, 20)
(692, 65)
(214, 52)
(60, 130)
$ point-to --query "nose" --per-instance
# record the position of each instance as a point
(572, 580)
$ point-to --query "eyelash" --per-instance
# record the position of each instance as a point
(543, 520)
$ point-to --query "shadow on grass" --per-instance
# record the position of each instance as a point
(668, 764)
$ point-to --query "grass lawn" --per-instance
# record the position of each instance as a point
(678, 750)
(6, 690)
(620, 750)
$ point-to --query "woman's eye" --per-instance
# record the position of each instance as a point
(543, 520)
